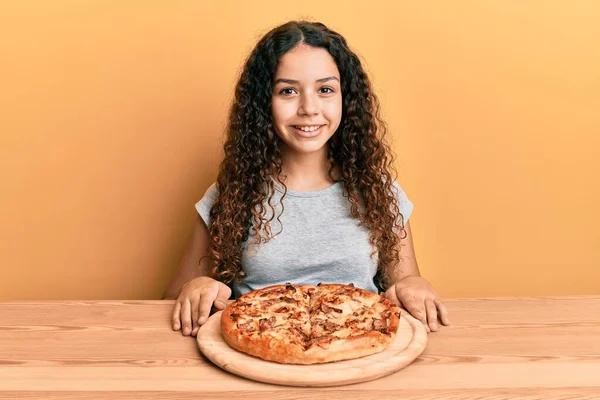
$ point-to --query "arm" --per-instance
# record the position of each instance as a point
(408, 261)
(191, 267)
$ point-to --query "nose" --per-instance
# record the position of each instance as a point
(309, 105)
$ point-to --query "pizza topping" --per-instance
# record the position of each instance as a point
(247, 326)
(248, 309)
(264, 323)
(251, 312)
(299, 314)
(287, 299)
(234, 316)
(379, 324)
(269, 303)
(345, 290)
(289, 286)
(330, 326)
(351, 322)
(274, 291)
(297, 330)
(322, 341)
(283, 309)
(336, 300)
(326, 309)
(367, 326)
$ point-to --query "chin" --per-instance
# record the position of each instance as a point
(307, 148)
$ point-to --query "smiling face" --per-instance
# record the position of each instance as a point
(307, 100)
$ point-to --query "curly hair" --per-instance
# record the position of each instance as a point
(252, 157)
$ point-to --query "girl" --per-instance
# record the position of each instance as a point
(304, 193)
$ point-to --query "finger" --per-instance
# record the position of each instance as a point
(207, 298)
(195, 302)
(442, 312)
(431, 314)
(222, 297)
(176, 317)
(417, 309)
(186, 317)
(390, 294)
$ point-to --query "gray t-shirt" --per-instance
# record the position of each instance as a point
(316, 241)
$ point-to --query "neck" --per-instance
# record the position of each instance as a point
(306, 172)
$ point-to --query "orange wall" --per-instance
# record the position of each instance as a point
(112, 114)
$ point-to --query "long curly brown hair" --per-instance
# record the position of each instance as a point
(252, 157)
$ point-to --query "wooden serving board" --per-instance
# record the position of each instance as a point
(409, 343)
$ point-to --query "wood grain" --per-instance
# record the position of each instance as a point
(409, 343)
(496, 348)
(582, 393)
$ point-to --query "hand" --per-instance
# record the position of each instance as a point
(417, 296)
(193, 305)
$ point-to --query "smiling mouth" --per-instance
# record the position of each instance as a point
(308, 128)
(306, 131)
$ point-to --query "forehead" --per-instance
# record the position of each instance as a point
(306, 63)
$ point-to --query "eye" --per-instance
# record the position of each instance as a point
(287, 91)
(327, 90)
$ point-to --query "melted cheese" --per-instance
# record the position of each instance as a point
(348, 314)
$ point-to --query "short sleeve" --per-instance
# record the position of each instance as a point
(406, 206)
(205, 204)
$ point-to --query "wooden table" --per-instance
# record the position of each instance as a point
(497, 348)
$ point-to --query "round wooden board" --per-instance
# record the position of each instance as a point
(409, 343)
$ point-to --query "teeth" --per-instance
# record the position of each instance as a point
(308, 128)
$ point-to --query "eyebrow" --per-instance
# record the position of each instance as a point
(294, 82)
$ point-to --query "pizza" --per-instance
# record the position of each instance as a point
(307, 324)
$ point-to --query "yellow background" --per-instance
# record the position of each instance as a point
(112, 113)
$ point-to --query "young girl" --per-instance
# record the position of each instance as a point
(305, 193)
